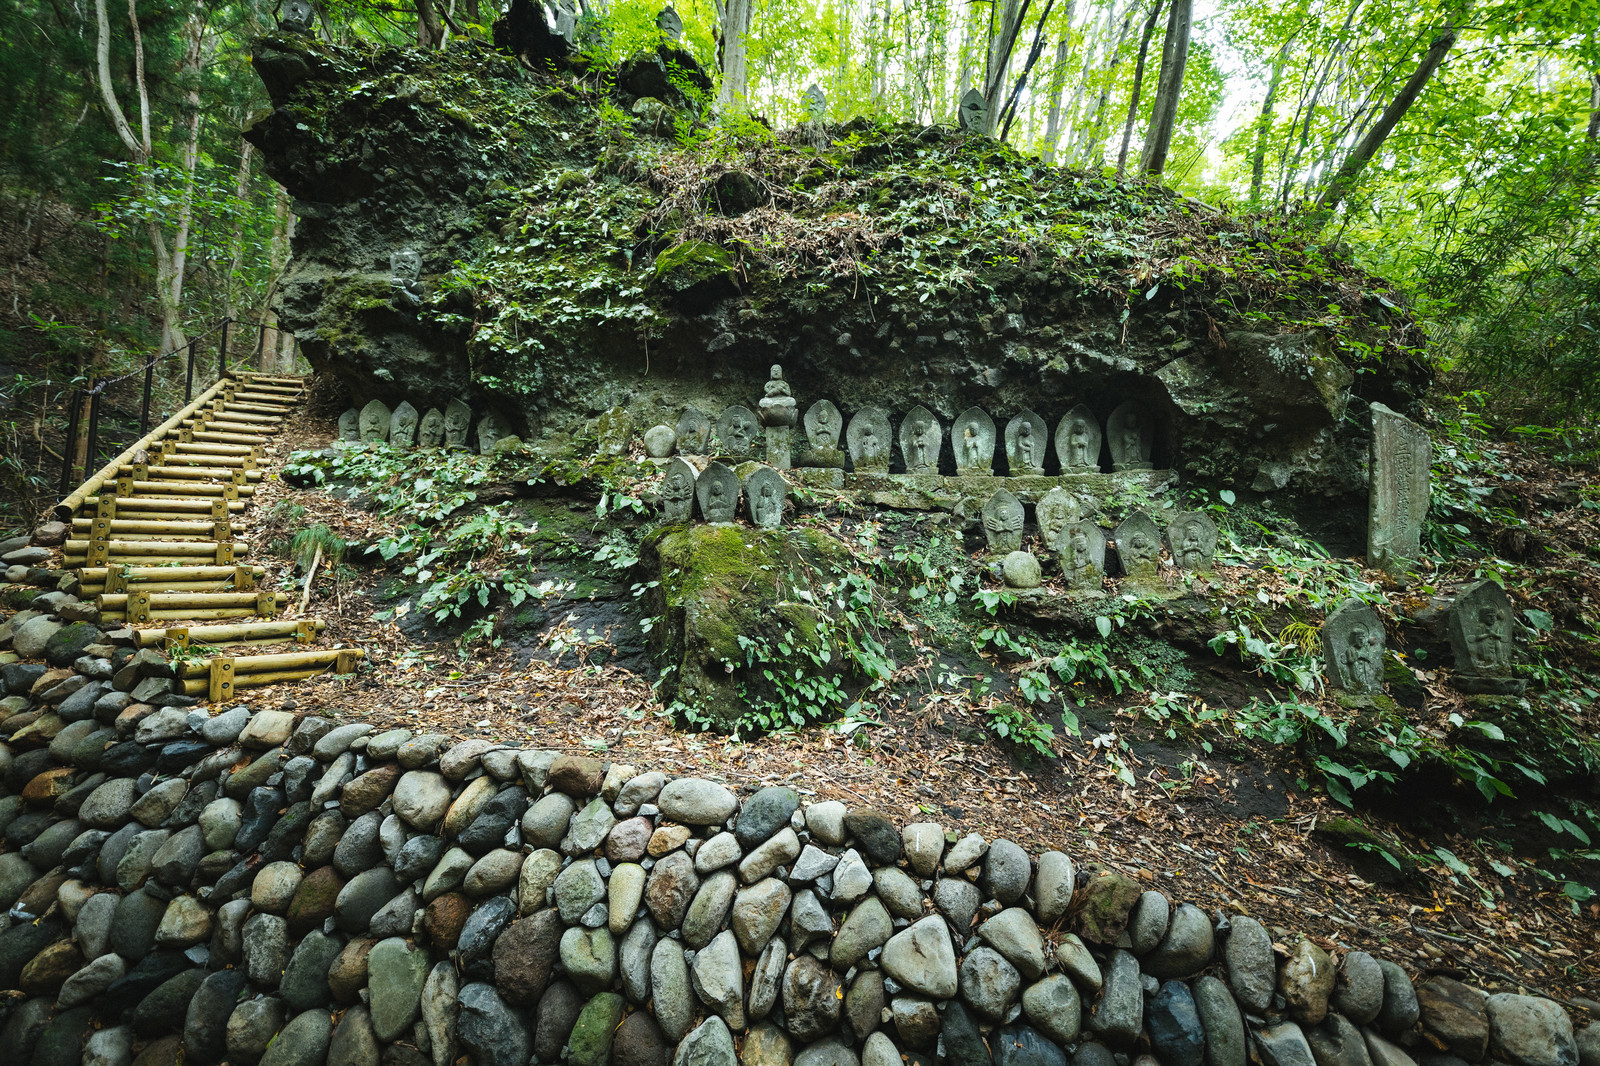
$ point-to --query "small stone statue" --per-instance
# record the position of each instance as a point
(1352, 649)
(920, 438)
(823, 424)
(670, 24)
(1192, 539)
(736, 432)
(1056, 512)
(868, 437)
(493, 428)
(1078, 441)
(815, 102)
(764, 491)
(430, 431)
(350, 425)
(659, 441)
(694, 432)
(375, 421)
(457, 424)
(677, 492)
(405, 276)
(974, 112)
(297, 16)
(779, 413)
(1083, 559)
(972, 438)
(1025, 444)
(1139, 547)
(403, 426)
(1482, 637)
(1002, 522)
(1132, 437)
(718, 490)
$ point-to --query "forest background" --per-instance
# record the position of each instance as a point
(1453, 147)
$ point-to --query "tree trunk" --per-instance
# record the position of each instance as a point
(190, 71)
(1138, 85)
(1164, 113)
(1258, 155)
(1339, 186)
(1009, 113)
(1593, 132)
(736, 18)
(241, 195)
(1090, 135)
(1058, 86)
(1316, 98)
(1002, 42)
(430, 30)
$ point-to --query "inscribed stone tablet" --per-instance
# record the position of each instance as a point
(737, 431)
(824, 423)
(1138, 546)
(1482, 631)
(1083, 559)
(1352, 648)
(1397, 501)
(430, 431)
(694, 432)
(1078, 441)
(1056, 511)
(350, 425)
(403, 426)
(493, 427)
(457, 424)
(375, 421)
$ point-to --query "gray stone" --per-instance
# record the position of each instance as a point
(766, 1045)
(132, 933)
(251, 1026)
(1186, 948)
(1252, 970)
(922, 958)
(638, 791)
(1053, 887)
(624, 894)
(783, 848)
(764, 813)
(219, 823)
(898, 892)
(719, 980)
(495, 872)
(710, 1044)
(577, 888)
(1022, 1045)
(90, 981)
(440, 1008)
(709, 910)
(1006, 872)
(395, 976)
(1055, 1008)
(539, 872)
(1148, 922)
(633, 960)
(274, 886)
(672, 885)
(1173, 1025)
(830, 1052)
(1530, 1031)
(1382, 1052)
(766, 980)
(958, 901)
(851, 878)
(812, 998)
(545, 823)
(1353, 648)
(812, 864)
(1397, 499)
(364, 896)
(826, 821)
(489, 1029)
(1014, 934)
(305, 979)
(590, 958)
(808, 919)
(923, 844)
(1358, 989)
(867, 928)
(1221, 1021)
(266, 948)
(989, 983)
(757, 913)
(185, 923)
(421, 797)
(964, 854)
(354, 1042)
(109, 1047)
(1076, 962)
(1119, 1013)
(1002, 522)
(669, 987)
(1021, 570)
(589, 828)
(1306, 982)
(1283, 1044)
(696, 801)
(303, 1042)
(721, 850)
(1399, 1011)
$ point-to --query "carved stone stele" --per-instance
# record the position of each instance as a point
(1138, 547)
(869, 440)
(1002, 522)
(1397, 501)
(764, 492)
(375, 421)
(1352, 649)
(1027, 440)
(1078, 441)
(920, 440)
(1192, 539)
(717, 489)
(972, 439)
(677, 491)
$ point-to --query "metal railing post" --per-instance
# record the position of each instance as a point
(222, 361)
(70, 449)
(225, 324)
(188, 377)
(144, 407)
(94, 426)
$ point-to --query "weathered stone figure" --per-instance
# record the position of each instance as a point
(1026, 441)
(493, 428)
(1397, 501)
(1482, 636)
(779, 413)
(613, 431)
(868, 437)
(717, 488)
(974, 113)
(670, 23)
(1002, 522)
(1139, 547)
(567, 21)
(405, 275)
(972, 438)
(815, 102)
(677, 492)
(297, 16)
(1192, 539)
(764, 491)
(920, 438)
(375, 421)
(457, 424)
(1083, 559)
(1056, 512)
(1133, 435)
(403, 426)
(1078, 441)
(1352, 648)
(350, 425)
(736, 432)
(694, 432)
(823, 424)
(430, 431)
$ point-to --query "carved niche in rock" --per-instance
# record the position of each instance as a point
(824, 424)
(1002, 522)
(1078, 441)
(1133, 436)
(403, 426)
(493, 428)
(677, 492)
(457, 424)
(737, 431)
(694, 432)
(405, 276)
(1482, 632)
(1083, 556)
(764, 492)
(430, 431)
(1056, 512)
(1397, 501)
(350, 425)
(920, 439)
(1352, 648)
(972, 439)
(1192, 539)
(1027, 437)
(1138, 547)
(375, 421)
(717, 488)
(868, 437)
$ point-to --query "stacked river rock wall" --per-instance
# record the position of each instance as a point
(260, 887)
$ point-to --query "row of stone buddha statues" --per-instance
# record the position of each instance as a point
(403, 427)
(869, 439)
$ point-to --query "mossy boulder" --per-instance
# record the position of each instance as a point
(694, 274)
(718, 584)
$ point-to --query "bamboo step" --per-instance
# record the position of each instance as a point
(155, 552)
(236, 451)
(239, 429)
(300, 629)
(285, 400)
(163, 507)
(180, 489)
(223, 674)
(167, 601)
(228, 462)
(97, 580)
(280, 411)
(149, 529)
(231, 413)
(226, 438)
(186, 472)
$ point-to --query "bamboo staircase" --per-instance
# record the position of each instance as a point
(155, 541)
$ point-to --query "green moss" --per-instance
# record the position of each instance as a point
(692, 263)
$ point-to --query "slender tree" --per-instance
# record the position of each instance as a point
(1138, 83)
(1164, 113)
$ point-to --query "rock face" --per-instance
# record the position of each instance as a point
(420, 189)
(212, 922)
